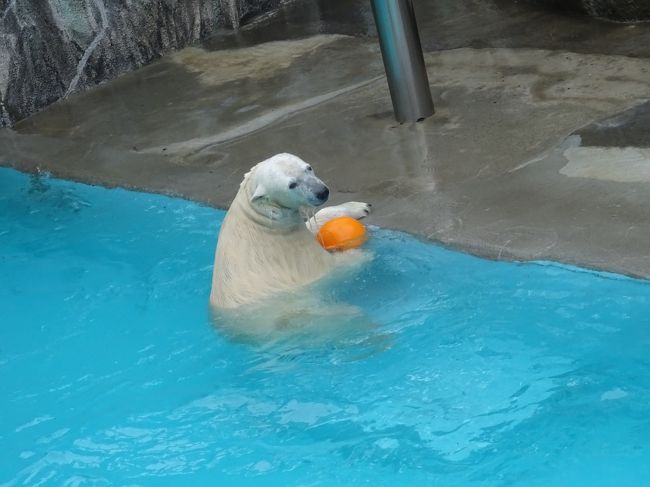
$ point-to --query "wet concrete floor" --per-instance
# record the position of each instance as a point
(539, 148)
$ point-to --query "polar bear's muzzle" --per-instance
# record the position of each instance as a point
(318, 192)
(323, 194)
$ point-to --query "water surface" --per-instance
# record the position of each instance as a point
(485, 373)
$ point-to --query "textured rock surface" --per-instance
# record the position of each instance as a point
(49, 49)
(616, 10)
(620, 10)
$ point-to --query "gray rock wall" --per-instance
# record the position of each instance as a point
(51, 48)
(619, 10)
(615, 10)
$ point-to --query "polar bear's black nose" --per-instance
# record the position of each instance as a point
(323, 194)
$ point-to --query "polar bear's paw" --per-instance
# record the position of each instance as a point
(353, 209)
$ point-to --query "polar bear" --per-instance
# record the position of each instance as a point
(265, 246)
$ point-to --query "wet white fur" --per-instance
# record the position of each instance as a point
(264, 245)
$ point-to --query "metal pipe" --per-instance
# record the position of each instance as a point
(403, 59)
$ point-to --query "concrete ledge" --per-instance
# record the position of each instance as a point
(488, 174)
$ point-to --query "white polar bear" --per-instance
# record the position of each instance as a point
(265, 246)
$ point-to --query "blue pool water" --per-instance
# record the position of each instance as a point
(477, 372)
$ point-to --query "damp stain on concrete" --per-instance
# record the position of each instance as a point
(257, 62)
(618, 164)
(541, 76)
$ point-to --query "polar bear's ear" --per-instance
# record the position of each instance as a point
(260, 192)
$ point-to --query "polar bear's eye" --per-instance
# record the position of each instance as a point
(293, 185)
(309, 168)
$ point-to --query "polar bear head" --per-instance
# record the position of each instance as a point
(287, 182)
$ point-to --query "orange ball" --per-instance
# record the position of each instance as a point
(342, 233)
